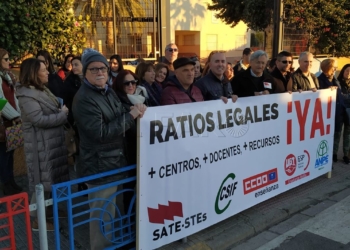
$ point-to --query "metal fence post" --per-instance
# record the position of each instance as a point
(40, 202)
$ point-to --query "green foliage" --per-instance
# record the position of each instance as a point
(27, 26)
(325, 21)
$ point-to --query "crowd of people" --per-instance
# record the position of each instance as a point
(101, 100)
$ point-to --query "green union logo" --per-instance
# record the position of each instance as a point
(322, 154)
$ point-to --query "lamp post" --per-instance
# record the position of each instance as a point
(114, 27)
(278, 27)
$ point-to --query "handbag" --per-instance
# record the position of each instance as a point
(70, 140)
(14, 137)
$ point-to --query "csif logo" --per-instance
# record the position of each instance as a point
(322, 154)
(225, 193)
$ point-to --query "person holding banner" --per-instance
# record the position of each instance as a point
(102, 122)
(327, 80)
(254, 81)
(302, 79)
(214, 85)
(179, 87)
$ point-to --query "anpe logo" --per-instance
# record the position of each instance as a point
(290, 164)
(322, 154)
(226, 191)
(260, 180)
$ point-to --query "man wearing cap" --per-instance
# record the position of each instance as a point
(171, 53)
(179, 88)
(214, 85)
(101, 122)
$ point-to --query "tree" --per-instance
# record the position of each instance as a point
(325, 21)
(27, 26)
(102, 10)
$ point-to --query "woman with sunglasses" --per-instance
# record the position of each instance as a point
(145, 72)
(10, 114)
(130, 93)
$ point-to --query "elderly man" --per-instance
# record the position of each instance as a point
(281, 73)
(302, 79)
(171, 52)
(179, 88)
(101, 123)
(254, 81)
(214, 85)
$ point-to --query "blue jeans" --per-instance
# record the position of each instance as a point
(6, 164)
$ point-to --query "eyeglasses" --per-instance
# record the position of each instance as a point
(95, 70)
(133, 82)
(285, 62)
(6, 59)
(172, 50)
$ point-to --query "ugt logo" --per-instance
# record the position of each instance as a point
(322, 154)
(225, 193)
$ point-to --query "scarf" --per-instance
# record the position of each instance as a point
(51, 96)
(8, 77)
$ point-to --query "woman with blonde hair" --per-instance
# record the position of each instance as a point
(327, 80)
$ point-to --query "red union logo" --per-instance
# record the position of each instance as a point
(260, 180)
(165, 212)
(290, 164)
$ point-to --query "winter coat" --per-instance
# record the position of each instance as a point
(299, 81)
(280, 81)
(174, 93)
(244, 84)
(102, 121)
(71, 86)
(44, 138)
(212, 88)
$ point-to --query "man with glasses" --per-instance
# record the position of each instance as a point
(101, 121)
(171, 52)
(281, 73)
(302, 79)
(255, 81)
(214, 85)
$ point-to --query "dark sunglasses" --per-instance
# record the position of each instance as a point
(133, 82)
(172, 50)
(6, 59)
(285, 62)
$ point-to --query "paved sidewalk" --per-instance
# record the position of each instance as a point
(240, 227)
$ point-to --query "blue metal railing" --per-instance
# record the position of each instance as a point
(120, 229)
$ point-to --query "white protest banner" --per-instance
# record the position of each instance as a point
(201, 163)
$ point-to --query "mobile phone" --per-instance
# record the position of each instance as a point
(60, 100)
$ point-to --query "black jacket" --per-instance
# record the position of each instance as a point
(345, 92)
(55, 85)
(299, 81)
(244, 84)
(212, 88)
(102, 121)
(280, 81)
(71, 86)
(237, 69)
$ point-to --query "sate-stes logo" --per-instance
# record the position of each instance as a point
(259, 181)
(171, 212)
(322, 156)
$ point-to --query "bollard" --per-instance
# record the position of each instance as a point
(40, 202)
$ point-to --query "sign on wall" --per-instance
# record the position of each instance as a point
(201, 163)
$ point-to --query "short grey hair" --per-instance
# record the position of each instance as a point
(257, 54)
(169, 45)
(305, 53)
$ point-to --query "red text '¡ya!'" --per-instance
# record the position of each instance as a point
(318, 124)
